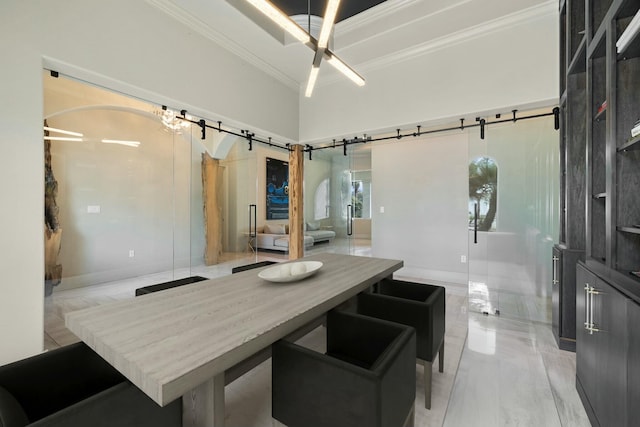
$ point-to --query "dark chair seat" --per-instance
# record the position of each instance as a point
(72, 387)
(366, 378)
(418, 305)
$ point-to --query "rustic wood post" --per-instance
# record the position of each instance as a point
(52, 229)
(296, 202)
(212, 216)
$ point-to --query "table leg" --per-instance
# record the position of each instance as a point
(204, 405)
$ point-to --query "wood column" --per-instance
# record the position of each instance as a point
(212, 216)
(52, 229)
(296, 202)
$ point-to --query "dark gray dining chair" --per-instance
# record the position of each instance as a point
(421, 306)
(366, 377)
(74, 387)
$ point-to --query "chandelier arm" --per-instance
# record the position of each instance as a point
(341, 66)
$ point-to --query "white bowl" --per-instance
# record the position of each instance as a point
(290, 271)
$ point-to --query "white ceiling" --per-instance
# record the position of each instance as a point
(371, 39)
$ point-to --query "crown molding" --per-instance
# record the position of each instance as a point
(549, 7)
(220, 39)
(341, 32)
(370, 15)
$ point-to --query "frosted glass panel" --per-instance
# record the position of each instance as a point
(129, 189)
(124, 209)
(513, 256)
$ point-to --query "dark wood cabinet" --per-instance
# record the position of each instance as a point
(563, 285)
(586, 363)
(600, 108)
(633, 362)
(603, 337)
(609, 318)
(600, 105)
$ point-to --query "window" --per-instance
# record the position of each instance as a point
(322, 204)
(361, 198)
(483, 192)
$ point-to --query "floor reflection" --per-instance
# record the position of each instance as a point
(509, 290)
(481, 339)
(480, 298)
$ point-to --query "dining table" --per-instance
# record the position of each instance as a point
(183, 343)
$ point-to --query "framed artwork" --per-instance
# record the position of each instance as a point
(277, 189)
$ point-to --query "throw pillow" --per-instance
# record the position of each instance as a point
(274, 229)
(313, 226)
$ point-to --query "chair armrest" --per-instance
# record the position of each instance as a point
(122, 405)
(47, 382)
(11, 412)
(359, 338)
(437, 302)
(306, 382)
(427, 318)
(397, 370)
(394, 309)
(407, 290)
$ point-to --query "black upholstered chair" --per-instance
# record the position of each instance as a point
(251, 266)
(74, 387)
(419, 305)
(366, 378)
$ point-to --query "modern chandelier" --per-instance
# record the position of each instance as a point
(320, 46)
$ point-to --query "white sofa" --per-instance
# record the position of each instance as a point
(320, 235)
(278, 242)
(275, 237)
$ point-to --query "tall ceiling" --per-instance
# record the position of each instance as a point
(374, 34)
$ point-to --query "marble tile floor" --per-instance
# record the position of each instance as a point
(498, 371)
(512, 374)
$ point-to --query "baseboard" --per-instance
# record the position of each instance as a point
(435, 275)
(587, 405)
(567, 344)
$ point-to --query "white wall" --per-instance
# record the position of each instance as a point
(513, 67)
(422, 183)
(132, 187)
(423, 187)
(126, 45)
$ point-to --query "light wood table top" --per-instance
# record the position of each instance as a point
(168, 343)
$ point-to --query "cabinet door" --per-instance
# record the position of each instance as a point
(567, 286)
(611, 342)
(586, 365)
(556, 313)
(633, 362)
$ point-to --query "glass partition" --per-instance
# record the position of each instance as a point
(319, 208)
(241, 210)
(120, 196)
(337, 190)
(137, 196)
(513, 218)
